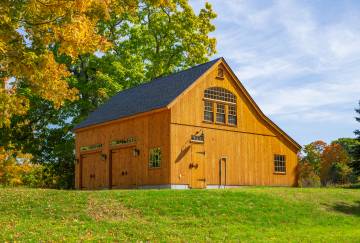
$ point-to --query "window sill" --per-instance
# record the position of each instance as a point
(209, 122)
(218, 123)
(219, 77)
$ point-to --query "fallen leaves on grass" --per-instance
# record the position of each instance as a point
(109, 210)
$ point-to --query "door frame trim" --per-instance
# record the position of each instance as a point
(203, 153)
(222, 158)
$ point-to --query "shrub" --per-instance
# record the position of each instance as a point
(307, 176)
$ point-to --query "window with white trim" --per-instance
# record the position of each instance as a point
(279, 163)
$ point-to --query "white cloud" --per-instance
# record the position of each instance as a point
(298, 65)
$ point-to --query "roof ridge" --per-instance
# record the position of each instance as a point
(188, 69)
(159, 77)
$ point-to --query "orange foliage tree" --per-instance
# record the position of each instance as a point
(334, 165)
(325, 163)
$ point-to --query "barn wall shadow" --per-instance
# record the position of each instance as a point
(182, 154)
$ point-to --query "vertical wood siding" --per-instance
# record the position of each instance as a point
(149, 130)
(249, 147)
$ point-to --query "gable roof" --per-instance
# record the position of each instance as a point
(162, 92)
(153, 95)
(257, 108)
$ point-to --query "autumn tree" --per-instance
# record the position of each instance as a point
(312, 154)
(28, 32)
(335, 165)
(310, 164)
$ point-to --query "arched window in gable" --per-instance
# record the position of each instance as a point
(222, 103)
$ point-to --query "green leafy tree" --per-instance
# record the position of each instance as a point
(356, 151)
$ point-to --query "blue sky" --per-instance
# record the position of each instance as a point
(300, 61)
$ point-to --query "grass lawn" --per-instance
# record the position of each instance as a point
(245, 214)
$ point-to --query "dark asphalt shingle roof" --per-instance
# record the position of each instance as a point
(155, 94)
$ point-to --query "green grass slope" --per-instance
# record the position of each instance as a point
(246, 214)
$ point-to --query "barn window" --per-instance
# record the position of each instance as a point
(155, 158)
(208, 111)
(217, 93)
(225, 106)
(220, 113)
(279, 163)
(232, 115)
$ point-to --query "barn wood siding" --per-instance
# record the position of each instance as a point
(249, 147)
(150, 130)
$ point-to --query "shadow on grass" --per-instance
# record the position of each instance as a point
(350, 209)
(352, 186)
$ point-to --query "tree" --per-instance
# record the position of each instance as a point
(356, 150)
(334, 165)
(310, 164)
(28, 30)
(151, 40)
(312, 155)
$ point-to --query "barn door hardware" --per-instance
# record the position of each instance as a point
(124, 173)
(92, 175)
(193, 165)
(103, 157)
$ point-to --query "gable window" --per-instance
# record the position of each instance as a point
(279, 164)
(224, 103)
(220, 113)
(208, 111)
(220, 73)
(232, 114)
(217, 93)
(155, 158)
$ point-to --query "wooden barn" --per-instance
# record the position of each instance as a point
(198, 128)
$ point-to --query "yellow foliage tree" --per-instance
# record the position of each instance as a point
(13, 166)
(29, 29)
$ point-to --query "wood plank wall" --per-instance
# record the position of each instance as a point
(249, 147)
(151, 130)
